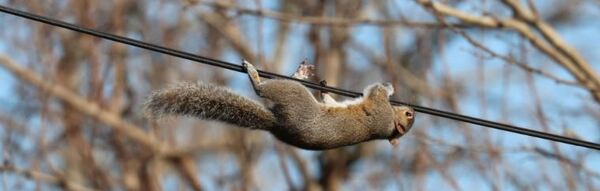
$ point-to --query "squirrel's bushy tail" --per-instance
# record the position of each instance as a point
(207, 101)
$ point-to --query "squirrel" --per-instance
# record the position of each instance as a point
(293, 116)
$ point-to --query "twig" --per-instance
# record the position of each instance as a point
(280, 151)
(320, 20)
(556, 49)
(553, 38)
(521, 65)
(82, 105)
(187, 169)
(92, 109)
(43, 177)
(230, 32)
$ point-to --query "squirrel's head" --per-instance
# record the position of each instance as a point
(404, 117)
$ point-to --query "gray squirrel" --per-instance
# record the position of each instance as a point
(294, 116)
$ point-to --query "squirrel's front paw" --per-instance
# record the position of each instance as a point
(304, 71)
(389, 87)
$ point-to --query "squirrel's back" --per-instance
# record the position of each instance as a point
(210, 102)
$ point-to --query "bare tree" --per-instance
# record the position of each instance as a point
(70, 104)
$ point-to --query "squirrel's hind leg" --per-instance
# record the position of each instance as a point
(253, 75)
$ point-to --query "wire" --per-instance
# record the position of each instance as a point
(239, 68)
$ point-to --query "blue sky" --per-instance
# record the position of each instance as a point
(560, 101)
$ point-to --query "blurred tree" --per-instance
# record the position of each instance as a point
(70, 114)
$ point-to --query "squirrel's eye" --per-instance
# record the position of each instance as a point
(408, 114)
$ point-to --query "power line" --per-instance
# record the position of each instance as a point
(238, 68)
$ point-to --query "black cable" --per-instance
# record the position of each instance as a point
(239, 68)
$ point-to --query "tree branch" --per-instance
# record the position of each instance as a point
(82, 105)
(319, 20)
(43, 177)
(551, 44)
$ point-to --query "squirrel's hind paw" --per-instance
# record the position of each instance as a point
(252, 72)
